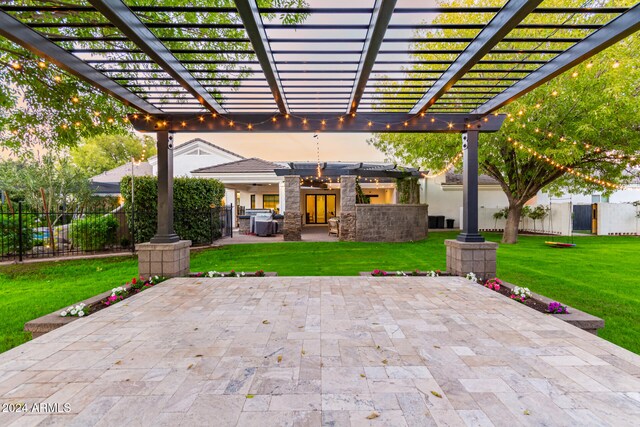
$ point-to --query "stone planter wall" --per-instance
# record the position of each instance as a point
(390, 223)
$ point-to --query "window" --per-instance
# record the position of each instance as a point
(253, 201)
(271, 201)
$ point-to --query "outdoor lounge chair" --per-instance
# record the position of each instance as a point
(334, 228)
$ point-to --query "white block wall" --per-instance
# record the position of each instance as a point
(617, 218)
(558, 221)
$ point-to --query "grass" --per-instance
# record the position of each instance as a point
(599, 276)
(29, 291)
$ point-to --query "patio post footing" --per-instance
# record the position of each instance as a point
(467, 257)
(163, 259)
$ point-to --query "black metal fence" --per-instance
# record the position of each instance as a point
(33, 233)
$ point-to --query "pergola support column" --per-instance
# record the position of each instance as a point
(165, 255)
(469, 252)
(470, 189)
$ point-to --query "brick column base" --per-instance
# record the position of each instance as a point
(479, 258)
(163, 259)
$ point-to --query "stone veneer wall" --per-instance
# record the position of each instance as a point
(163, 259)
(292, 230)
(347, 208)
(478, 258)
(391, 223)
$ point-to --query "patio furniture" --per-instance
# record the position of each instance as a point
(264, 224)
(334, 226)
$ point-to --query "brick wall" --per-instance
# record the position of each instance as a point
(391, 223)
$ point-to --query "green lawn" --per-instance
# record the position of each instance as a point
(599, 276)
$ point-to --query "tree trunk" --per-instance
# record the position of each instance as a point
(513, 220)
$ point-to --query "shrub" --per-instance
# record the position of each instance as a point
(10, 233)
(192, 201)
(94, 233)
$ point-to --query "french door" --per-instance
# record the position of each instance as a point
(320, 207)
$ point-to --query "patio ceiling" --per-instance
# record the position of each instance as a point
(371, 66)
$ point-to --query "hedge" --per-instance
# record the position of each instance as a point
(94, 233)
(193, 200)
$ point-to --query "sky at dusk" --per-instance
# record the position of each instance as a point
(293, 146)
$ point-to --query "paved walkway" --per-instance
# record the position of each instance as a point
(321, 350)
(310, 233)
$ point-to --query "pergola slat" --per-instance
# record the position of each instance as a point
(248, 10)
(619, 28)
(502, 23)
(380, 17)
(130, 25)
(22, 35)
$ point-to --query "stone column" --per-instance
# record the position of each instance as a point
(292, 219)
(166, 255)
(348, 208)
(469, 252)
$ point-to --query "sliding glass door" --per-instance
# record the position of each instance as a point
(320, 207)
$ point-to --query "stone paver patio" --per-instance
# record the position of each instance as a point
(321, 350)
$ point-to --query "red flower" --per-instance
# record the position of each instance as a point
(133, 281)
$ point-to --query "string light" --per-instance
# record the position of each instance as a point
(16, 65)
(567, 169)
(444, 170)
(616, 64)
(57, 78)
(42, 64)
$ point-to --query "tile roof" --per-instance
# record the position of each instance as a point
(116, 174)
(252, 165)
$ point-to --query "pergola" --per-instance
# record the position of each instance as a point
(337, 69)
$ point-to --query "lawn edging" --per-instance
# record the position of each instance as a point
(575, 317)
(51, 321)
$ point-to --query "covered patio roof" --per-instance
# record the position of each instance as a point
(336, 170)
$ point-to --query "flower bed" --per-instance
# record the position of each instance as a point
(415, 273)
(542, 304)
(232, 273)
(51, 321)
(117, 294)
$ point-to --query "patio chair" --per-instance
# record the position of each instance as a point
(334, 228)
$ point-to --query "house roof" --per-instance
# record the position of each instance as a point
(105, 187)
(116, 174)
(252, 165)
(197, 141)
(456, 179)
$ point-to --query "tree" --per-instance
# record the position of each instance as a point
(40, 105)
(577, 132)
(104, 152)
(66, 187)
